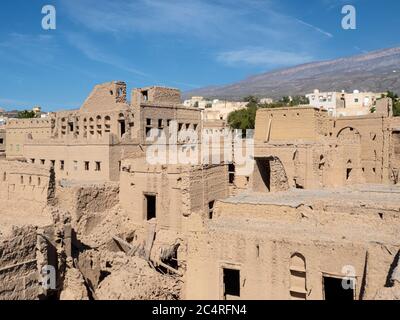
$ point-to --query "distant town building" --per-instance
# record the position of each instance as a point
(214, 109)
(266, 100)
(340, 104)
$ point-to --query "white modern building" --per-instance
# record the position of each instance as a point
(341, 104)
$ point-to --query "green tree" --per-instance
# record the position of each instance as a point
(251, 99)
(243, 118)
(26, 114)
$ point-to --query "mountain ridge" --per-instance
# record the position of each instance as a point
(376, 71)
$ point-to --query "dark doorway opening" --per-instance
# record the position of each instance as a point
(150, 206)
(122, 128)
(334, 290)
(231, 284)
(264, 168)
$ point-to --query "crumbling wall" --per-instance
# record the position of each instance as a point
(156, 95)
(269, 175)
(207, 184)
(19, 275)
(84, 200)
(106, 96)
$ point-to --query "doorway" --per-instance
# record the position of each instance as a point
(150, 206)
(334, 289)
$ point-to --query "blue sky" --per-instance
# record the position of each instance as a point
(179, 43)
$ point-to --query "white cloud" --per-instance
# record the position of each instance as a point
(92, 52)
(216, 21)
(214, 25)
(28, 49)
(325, 33)
(263, 57)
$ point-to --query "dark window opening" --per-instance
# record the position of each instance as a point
(334, 290)
(232, 171)
(150, 207)
(348, 173)
(211, 209)
(145, 95)
(32, 160)
(62, 165)
(53, 163)
(148, 130)
(42, 161)
(1, 140)
(86, 165)
(71, 126)
(122, 128)
(160, 123)
(98, 166)
(231, 283)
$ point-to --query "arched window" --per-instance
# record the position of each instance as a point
(107, 124)
(99, 126)
(298, 280)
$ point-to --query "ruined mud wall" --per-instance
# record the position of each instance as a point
(284, 251)
(179, 190)
(206, 185)
(19, 277)
(22, 182)
(156, 95)
(106, 96)
(81, 200)
(23, 254)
